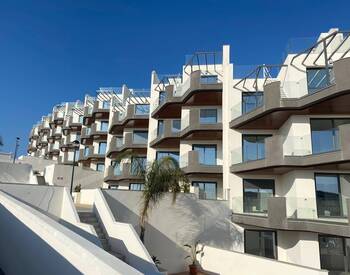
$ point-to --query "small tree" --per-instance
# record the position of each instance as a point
(160, 177)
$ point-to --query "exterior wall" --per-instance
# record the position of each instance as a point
(61, 175)
(171, 226)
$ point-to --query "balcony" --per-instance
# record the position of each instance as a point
(195, 127)
(195, 91)
(71, 125)
(97, 134)
(120, 144)
(87, 119)
(100, 110)
(191, 164)
(168, 137)
(129, 119)
(42, 141)
(66, 143)
(89, 155)
(67, 158)
(121, 173)
(43, 128)
(86, 138)
(279, 104)
(54, 149)
(57, 118)
(282, 155)
(296, 214)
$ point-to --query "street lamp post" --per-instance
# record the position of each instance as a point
(75, 146)
(16, 149)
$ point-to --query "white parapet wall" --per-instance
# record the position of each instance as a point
(61, 175)
(15, 173)
(55, 201)
(37, 244)
(123, 237)
(226, 262)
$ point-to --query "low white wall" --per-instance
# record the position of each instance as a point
(15, 173)
(86, 196)
(53, 200)
(123, 238)
(37, 163)
(226, 262)
(36, 244)
(170, 226)
(61, 175)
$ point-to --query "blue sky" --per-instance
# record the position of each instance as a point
(54, 51)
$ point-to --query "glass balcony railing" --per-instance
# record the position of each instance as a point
(250, 206)
(317, 208)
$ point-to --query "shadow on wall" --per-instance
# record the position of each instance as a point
(171, 226)
(26, 253)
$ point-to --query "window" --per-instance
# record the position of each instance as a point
(160, 129)
(119, 141)
(86, 151)
(209, 79)
(140, 137)
(334, 254)
(81, 118)
(117, 171)
(251, 101)
(174, 155)
(136, 186)
(176, 125)
(256, 193)
(138, 164)
(102, 148)
(77, 137)
(207, 190)
(328, 195)
(260, 243)
(87, 131)
(104, 126)
(100, 167)
(206, 154)
(141, 109)
(253, 147)
(162, 97)
(325, 134)
(318, 78)
(77, 153)
(106, 104)
(208, 116)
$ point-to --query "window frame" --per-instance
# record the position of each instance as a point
(257, 230)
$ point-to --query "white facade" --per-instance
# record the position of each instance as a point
(273, 140)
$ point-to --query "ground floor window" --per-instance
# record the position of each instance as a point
(207, 190)
(260, 243)
(334, 254)
(100, 167)
(136, 186)
(256, 193)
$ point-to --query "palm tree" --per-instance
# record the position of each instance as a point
(160, 177)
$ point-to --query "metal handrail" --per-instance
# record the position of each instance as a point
(168, 80)
(326, 41)
(195, 61)
(264, 70)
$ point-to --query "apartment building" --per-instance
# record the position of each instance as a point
(95, 129)
(272, 142)
(186, 120)
(71, 131)
(289, 143)
(127, 139)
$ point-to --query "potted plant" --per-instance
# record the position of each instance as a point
(193, 256)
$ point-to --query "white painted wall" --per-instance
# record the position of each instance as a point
(36, 244)
(226, 262)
